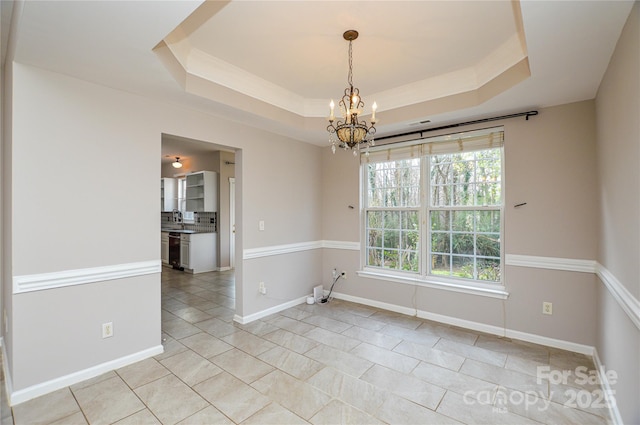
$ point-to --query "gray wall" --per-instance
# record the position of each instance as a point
(100, 208)
(549, 163)
(618, 148)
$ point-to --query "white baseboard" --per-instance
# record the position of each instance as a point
(243, 320)
(8, 384)
(468, 324)
(224, 269)
(614, 413)
(37, 390)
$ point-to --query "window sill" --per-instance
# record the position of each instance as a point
(496, 291)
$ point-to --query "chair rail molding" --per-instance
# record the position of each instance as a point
(42, 281)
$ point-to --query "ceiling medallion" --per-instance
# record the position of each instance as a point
(351, 132)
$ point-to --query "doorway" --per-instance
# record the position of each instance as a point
(196, 156)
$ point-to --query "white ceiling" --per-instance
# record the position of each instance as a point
(296, 51)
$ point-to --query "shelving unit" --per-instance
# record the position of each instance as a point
(201, 190)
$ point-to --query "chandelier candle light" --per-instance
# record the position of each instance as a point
(350, 132)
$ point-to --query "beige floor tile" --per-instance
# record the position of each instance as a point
(207, 416)
(170, 399)
(296, 313)
(178, 328)
(108, 401)
(190, 367)
(291, 325)
(469, 411)
(92, 381)
(448, 332)
(171, 347)
(397, 319)
(543, 410)
(192, 314)
(332, 339)
(327, 323)
(595, 402)
(45, 409)
(355, 392)
(217, 327)
(291, 341)
(351, 308)
(579, 369)
(406, 386)
(364, 322)
(375, 338)
(317, 377)
(143, 417)
(505, 377)
(248, 342)
(396, 361)
(299, 397)
(472, 352)
(523, 365)
(75, 419)
(258, 328)
(397, 410)
(205, 344)
(514, 347)
(337, 412)
(222, 313)
(231, 396)
(274, 414)
(294, 364)
(241, 365)
(419, 337)
(344, 362)
(430, 355)
(451, 380)
(142, 372)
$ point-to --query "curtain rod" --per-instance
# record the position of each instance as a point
(444, 127)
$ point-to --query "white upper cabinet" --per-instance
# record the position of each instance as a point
(168, 194)
(202, 191)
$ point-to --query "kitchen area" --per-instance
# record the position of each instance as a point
(196, 220)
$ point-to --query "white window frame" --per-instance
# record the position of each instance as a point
(423, 277)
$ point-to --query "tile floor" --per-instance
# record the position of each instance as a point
(321, 364)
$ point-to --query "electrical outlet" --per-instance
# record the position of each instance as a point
(334, 273)
(262, 288)
(107, 330)
(261, 225)
(547, 308)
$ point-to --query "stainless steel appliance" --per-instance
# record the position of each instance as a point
(174, 250)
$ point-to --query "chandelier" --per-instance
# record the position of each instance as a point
(351, 132)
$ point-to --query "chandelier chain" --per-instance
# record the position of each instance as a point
(350, 79)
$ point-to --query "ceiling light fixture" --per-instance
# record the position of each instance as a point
(177, 164)
(351, 133)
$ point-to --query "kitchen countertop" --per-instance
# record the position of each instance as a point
(190, 232)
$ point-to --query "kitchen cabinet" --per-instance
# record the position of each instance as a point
(185, 260)
(198, 252)
(168, 194)
(164, 247)
(202, 191)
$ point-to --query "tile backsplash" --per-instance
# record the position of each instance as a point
(202, 221)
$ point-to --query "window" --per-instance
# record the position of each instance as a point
(433, 209)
